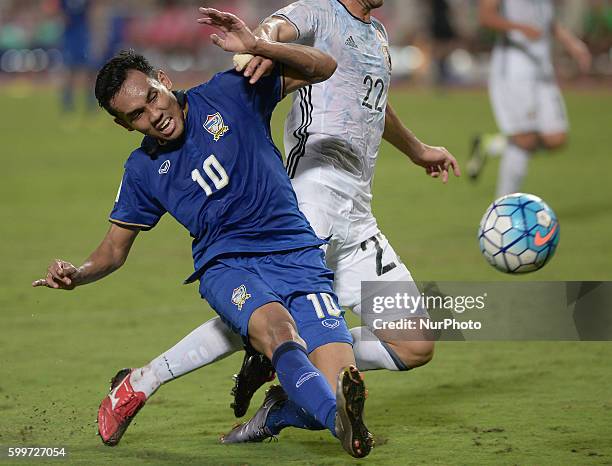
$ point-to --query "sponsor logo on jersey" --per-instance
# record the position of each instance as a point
(305, 377)
(240, 296)
(331, 323)
(215, 125)
(351, 42)
(165, 168)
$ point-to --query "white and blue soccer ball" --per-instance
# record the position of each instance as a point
(519, 233)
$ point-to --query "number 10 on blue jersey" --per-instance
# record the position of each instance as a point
(214, 171)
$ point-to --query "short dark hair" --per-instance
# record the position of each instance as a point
(112, 76)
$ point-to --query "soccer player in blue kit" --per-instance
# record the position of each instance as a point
(208, 159)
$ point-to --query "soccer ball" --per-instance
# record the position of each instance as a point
(519, 233)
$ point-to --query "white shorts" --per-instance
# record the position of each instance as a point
(527, 106)
(355, 254)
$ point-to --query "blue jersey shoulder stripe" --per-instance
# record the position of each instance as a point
(132, 225)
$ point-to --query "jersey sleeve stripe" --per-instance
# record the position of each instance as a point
(297, 29)
(130, 225)
(297, 133)
(283, 83)
(305, 133)
(302, 132)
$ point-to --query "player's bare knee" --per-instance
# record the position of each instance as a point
(283, 331)
(413, 354)
(528, 141)
(554, 141)
(422, 353)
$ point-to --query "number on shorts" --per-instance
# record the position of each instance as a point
(330, 305)
(380, 268)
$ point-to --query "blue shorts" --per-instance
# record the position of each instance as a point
(238, 285)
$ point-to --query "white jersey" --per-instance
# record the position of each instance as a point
(334, 129)
(517, 57)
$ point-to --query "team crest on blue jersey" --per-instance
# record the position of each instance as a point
(215, 125)
(240, 296)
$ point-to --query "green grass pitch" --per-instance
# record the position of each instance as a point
(476, 403)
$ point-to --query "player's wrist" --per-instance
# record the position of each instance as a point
(78, 276)
(417, 149)
(259, 46)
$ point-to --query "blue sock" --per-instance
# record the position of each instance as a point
(291, 415)
(304, 384)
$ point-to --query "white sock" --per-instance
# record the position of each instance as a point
(208, 343)
(512, 170)
(370, 354)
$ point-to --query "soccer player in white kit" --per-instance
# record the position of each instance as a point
(333, 134)
(526, 99)
(332, 138)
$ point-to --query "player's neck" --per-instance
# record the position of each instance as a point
(358, 8)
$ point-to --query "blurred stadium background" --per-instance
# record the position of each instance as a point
(476, 403)
(421, 32)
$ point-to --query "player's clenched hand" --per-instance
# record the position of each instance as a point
(237, 37)
(253, 67)
(60, 276)
(438, 162)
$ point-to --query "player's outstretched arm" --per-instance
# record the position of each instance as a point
(577, 49)
(306, 65)
(437, 161)
(489, 17)
(107, 257)
(273, 28)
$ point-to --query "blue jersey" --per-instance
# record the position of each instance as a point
(224, 180)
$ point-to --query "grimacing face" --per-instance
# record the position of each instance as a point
(147, 105)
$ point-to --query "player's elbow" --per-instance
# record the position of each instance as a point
(333, 66)
(324, 69)
(116, 259)
(118, 262)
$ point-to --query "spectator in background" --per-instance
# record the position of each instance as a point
(76, 50)
(598, 26)
(115, 20)
(444, 37)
